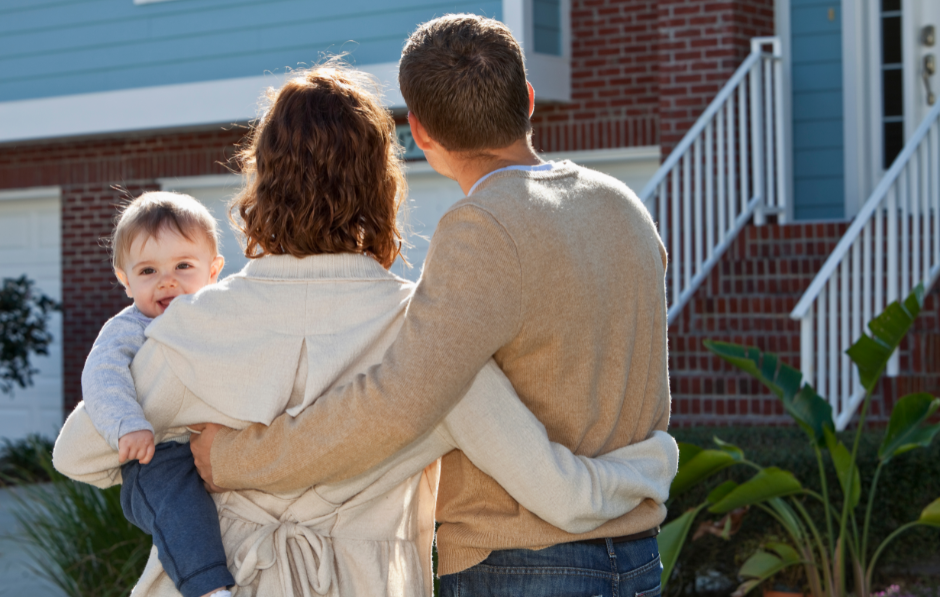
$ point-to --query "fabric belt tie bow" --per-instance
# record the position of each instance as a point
(303, 556)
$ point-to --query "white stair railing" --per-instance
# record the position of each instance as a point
(728, 168)
(892, 245)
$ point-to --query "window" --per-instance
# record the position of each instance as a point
(547, 17)
(892, 80)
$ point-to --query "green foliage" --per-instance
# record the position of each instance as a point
(905, 429)
(23, 459)
(24, 317)
(871, 354)
(767, 484)
(915, 475)
(824, 553)
(78, 537)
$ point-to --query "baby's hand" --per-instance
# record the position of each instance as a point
(136, 445)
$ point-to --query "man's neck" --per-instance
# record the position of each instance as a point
(468, 170)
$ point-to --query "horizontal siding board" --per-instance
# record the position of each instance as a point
(813, 19)
(815, 105)
(818, 146)
(815, 163)
(818, 77)
(823, 134)
(174, 47)
(810, 48)
(819, 199)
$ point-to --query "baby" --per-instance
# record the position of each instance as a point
(164, 245)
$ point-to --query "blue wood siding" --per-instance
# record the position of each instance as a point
(50, 48)
(818, 167)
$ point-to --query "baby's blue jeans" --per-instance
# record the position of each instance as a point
(166, 499)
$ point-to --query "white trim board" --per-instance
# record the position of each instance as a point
(582, 158)
(210, 181)
(31, 193)
(165, 106)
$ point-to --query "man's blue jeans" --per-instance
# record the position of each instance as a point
(166, 499)
(629, 569)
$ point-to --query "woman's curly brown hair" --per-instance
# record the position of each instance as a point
(323, 170)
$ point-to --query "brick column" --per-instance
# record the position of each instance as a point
(700, 45)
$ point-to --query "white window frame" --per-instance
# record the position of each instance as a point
(550, 75)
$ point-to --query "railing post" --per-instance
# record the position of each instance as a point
(783, 150)
(757, 141)
(806, 346)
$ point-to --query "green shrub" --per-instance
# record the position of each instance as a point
(22, 460)
(912, 481)
(78, 537)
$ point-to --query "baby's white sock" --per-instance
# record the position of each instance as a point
(222, 593)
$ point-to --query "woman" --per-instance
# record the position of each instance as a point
(315, 307)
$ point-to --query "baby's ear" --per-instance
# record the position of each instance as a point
(122, 278)
(216, 268)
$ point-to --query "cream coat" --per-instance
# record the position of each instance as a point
(272, 339)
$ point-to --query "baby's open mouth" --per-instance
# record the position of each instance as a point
(164, 303)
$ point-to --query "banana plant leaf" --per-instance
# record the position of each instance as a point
(810, 411)
(871, 353)
(931, 514)
(769, 483)
(905, 430)
(764, 564)
(845, 468)
(671, 539)
(697, 464)
(717, 494)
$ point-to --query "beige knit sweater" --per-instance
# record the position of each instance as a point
(271, 340)
(560, 276)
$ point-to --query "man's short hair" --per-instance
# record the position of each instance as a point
(156, 211)
(463, 77)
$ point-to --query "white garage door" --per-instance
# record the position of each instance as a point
(431, 194)
(215, 192)
(30, 237)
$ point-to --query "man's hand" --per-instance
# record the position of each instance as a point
(136, 445)
(201, 444)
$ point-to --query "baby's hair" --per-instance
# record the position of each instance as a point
(156, 211)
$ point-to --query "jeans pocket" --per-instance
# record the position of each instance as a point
(654, 592)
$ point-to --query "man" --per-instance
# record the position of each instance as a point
(555, 271)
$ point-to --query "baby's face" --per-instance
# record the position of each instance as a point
(159, 269)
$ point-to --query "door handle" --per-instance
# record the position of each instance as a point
(930, 67)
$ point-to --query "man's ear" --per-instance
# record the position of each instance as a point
(215, 268)
(531, 98)
(122, 278)
(420, 134)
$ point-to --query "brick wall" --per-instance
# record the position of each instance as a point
(747, 299)
(700, 44)
(95, 175)
(614, 85)
(643, 71)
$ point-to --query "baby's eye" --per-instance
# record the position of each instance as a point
(184, 266)
(147, 271)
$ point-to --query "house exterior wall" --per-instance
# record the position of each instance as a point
(642, 72)
(50, 49)
(818, 151)
(95, 175)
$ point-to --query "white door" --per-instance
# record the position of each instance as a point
(920, 59)
(30, 243)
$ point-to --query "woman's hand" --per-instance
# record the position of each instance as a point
(136, 445)
(201, 444)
